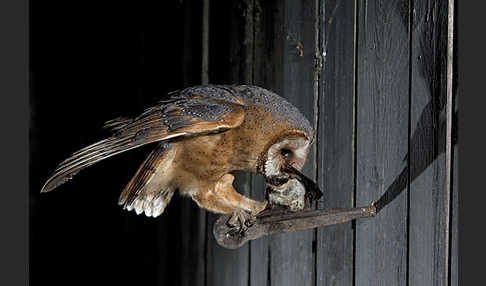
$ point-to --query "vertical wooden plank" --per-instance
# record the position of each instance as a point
(259, 249)
(205, 80)
(188, 233)
(429, 171)
(382, 139)
(292, 261)
(336, 146)
(205, 43)
(230, 62)
(454, 272)
(451, 132)
(226, 266)
(454, 238)
(285, 50)
(454, 229)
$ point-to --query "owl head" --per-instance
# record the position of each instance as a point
(290, 148)
(281, 164)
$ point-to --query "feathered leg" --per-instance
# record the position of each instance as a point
(224, 189)
(225, 199)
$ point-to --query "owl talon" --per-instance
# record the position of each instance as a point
(251, 221)
(239, 221)
(232, 221)
(234, 231)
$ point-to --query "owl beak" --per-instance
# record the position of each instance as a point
(311, 189)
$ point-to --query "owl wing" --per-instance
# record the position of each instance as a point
(187, 114)
(144, 193)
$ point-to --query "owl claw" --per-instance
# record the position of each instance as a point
(234, 231)
(250, 221)
(239, 221)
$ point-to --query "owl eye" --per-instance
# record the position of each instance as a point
(285, 152)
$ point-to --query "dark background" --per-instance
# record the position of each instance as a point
(91, 61)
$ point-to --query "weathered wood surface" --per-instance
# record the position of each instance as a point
(284, 51)
(274, 222)
(334, 261)
(225, 266)
(369, 128)
(454, 238)
(454, 228)
(452, 144)
(429, 191)
(382, 139)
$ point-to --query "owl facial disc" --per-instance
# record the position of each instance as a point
(287, 186)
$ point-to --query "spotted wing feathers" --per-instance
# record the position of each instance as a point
(181, 116)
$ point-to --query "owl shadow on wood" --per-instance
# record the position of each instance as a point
(429, 134)
(422, 155)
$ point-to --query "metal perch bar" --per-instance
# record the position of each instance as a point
(277, 222)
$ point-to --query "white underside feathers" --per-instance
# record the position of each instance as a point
(149, 205)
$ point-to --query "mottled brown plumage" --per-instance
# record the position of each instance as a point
(204, 134)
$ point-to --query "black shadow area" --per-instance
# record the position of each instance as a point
(91, 61)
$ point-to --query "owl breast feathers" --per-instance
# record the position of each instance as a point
(202, 135)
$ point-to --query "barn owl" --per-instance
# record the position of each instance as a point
(201, 136)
